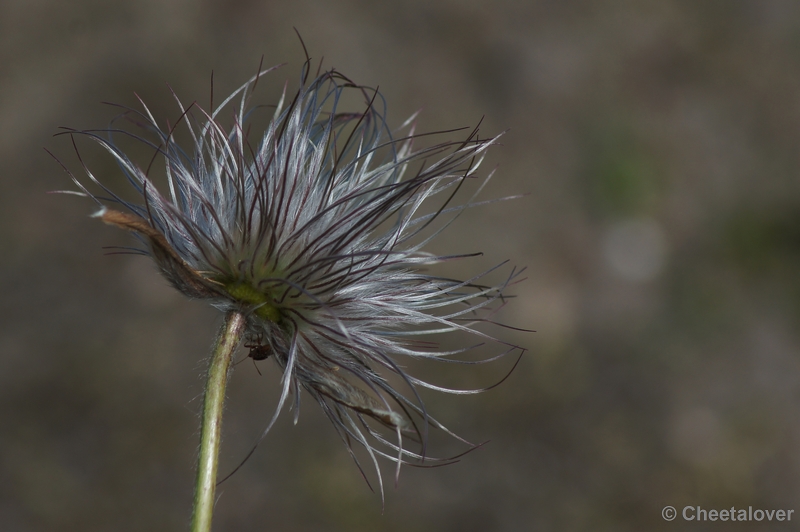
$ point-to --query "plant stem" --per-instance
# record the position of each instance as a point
(211, 428)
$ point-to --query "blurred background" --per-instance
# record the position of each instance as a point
(658, 144)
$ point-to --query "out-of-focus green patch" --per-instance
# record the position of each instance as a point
(625, 184)
(761, 242)
(764, 246)
(622, 176)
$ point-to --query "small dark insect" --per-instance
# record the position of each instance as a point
(258, 351)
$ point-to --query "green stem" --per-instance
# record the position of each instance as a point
(211, 428)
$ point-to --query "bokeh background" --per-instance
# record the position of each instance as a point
(657, 141)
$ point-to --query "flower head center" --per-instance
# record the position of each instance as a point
(264, 307)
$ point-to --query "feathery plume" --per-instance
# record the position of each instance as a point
(316, 232)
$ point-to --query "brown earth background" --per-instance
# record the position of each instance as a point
(658, 144)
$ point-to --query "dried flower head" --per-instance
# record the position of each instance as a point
(316, 232)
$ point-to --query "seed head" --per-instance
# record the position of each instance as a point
(316, 232)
